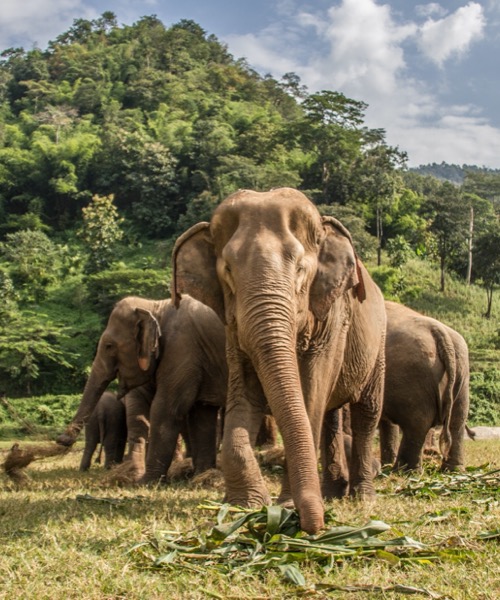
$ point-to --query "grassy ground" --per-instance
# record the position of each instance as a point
(69, 535)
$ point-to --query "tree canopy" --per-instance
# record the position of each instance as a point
(123, 136)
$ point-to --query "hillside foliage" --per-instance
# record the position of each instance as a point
(115, 139)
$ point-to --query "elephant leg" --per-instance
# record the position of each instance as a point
(365, 416)
(138, 407)
(249, 488)
(410, 450)
(173, 400)
(335, 480)
(113, 451)
(389, 441)
(245, 485)
(92, 439)
(202, 423)
(161, 450)
(87, 457)
(455, 460)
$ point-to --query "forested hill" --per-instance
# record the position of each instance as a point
(169, 122)
(454, 173)
(115, 139)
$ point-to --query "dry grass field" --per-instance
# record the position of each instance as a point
(67, 535)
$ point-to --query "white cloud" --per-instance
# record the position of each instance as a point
(454, 139)
(261, 51)
(452, 35)
(365, 46)
(427, 10)
(39, 20)
(358, 47)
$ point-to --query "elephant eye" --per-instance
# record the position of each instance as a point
(227, 268)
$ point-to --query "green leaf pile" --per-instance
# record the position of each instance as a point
(272, 538)
(475, 481)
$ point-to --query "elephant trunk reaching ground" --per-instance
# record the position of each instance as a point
(305, 328)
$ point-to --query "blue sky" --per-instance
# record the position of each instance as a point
(429, 71)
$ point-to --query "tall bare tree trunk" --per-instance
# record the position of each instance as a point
(469, 246)
(442, 272)
(379, 236)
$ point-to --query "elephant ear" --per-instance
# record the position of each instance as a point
(338, 271)
(194, 269)
(147, 335)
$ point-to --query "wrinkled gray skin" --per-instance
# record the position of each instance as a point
(171, 364)
(107, 426)
(305, 328)
(427, 385)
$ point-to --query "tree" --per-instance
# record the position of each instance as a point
(448, 218)
(100, 231)
(331, 129)
(377, 175)
(141, 174)
(487, 264)
(29, 343)
(34, 262)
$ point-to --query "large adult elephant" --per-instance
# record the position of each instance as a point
(427, 385)
(305, 328)
(171, 365)
(107, 427)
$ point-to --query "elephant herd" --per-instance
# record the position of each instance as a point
(273, 312)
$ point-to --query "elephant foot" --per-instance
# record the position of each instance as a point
(152, 480)
(449, 466)
(335, 490)
(253, 499)
(400, 467)
(362, 491)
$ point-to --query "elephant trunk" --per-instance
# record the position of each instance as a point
(270, 324)
(94, 388)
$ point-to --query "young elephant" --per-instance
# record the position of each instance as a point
(171, 364)
(426, 386)
(107, 426)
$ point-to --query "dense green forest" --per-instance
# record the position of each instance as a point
(115, 139)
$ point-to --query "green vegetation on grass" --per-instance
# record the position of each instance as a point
(72, 535)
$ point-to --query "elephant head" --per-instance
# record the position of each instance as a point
(271, 267)
(128, 349)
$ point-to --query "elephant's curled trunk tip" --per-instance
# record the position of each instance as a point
(312, 515)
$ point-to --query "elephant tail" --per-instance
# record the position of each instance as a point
(446, 352)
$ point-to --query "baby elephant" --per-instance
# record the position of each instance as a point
(107, 426)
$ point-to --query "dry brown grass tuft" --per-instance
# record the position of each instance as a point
(211, 479)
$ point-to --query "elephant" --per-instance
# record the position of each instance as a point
(106, 426)
(426, 386)
(305, 330)
(171, 365)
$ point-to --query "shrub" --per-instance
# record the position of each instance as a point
(389, 280)
(43, 414)
(485, 397)
(107, 287)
